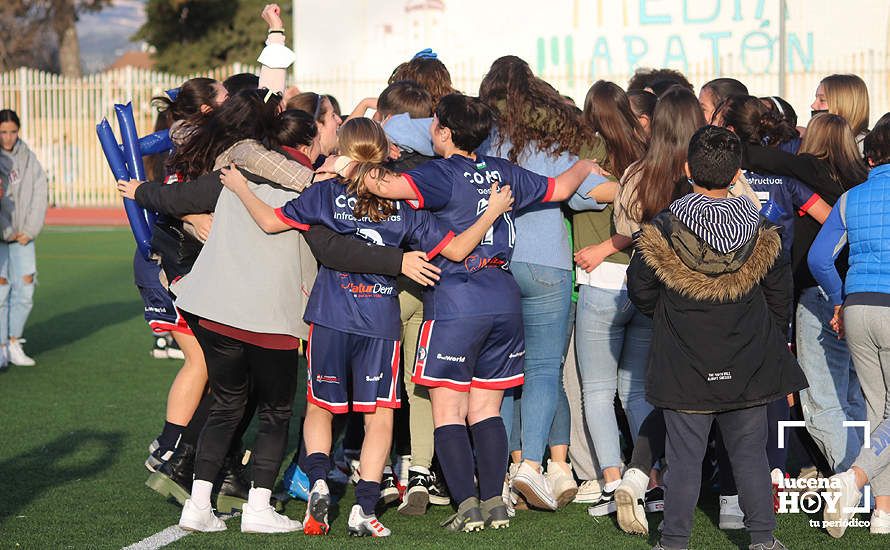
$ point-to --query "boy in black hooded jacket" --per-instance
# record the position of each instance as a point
(709, 271)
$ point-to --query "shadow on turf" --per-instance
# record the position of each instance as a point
(31, 473)
(71, 326)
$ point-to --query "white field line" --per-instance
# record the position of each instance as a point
(166, 536)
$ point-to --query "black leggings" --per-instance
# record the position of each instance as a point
(234, 368)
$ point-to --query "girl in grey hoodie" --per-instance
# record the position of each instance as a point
(22, 212)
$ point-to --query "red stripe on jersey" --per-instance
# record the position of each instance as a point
(290, 222)
(419, 201)
(441, 246)
(551, 187)
(809, 204)
(424, 341)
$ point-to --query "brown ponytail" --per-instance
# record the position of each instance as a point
(365, 142)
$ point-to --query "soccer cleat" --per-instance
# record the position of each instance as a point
(589, 492)
(231, 486)
(775, 545)
(467, 519)
(630, 502)
(17, 354)
(438, 490)
(561, 482)
(266, 520)
(296, 482)
(158, 457)
(316, 520)
(880, 522)
(838, 516)
(360, 525)
(494, 512)
(417, 495)
(174, 478)
(530, 483)
(204, 520)
(731, 515)
(655, 500)
(604, 506)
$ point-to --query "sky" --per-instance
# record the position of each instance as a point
(106, 35)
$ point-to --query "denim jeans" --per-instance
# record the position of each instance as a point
(16, 297)
(544, 410)
(834, 394)
(612, 343)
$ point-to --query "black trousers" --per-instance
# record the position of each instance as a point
(234, 368)
(744, 434)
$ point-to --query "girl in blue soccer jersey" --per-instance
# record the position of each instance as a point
(471, 344)
(355, 324)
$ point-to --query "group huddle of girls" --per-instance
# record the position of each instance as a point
(466, 258)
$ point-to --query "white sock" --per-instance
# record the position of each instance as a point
(201, 493)
(259, 498)
(611, 486)
(420, 470)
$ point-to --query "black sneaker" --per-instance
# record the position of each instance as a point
(655, 500)
(438, 490)
(389, 487)
(604, 506)
(417, 495)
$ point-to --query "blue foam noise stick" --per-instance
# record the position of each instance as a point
(153, 144)
(135, 214)
(132, 153)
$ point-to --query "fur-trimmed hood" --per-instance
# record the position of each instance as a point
(689, 266)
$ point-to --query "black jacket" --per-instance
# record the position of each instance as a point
(718, 338)
(338, 252)
(816, 173)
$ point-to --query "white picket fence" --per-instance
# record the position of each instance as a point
(59, 115)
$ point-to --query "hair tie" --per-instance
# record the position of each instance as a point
(778, 105)
(269, 94)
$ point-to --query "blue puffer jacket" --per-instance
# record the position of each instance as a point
(862, 218)
(868, 225)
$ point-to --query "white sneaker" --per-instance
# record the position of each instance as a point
(17, 354)
(630, 502)
(266, 520)
(838, 516)
(880, 522)
(731, 515)
(531, 484)
(561, 482)
(4, 357)
(589, 491)
(204, 520)
(360, 525)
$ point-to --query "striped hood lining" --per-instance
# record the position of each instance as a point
(724, 224)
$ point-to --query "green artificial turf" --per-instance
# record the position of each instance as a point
(74, 431)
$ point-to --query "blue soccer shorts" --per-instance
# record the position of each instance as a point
(160, 313)
(485, 352)
(336, 358)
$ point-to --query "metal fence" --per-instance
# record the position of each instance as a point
(59, 114)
